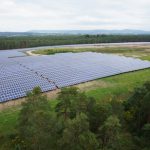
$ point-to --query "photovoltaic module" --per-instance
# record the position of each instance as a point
(21, 74)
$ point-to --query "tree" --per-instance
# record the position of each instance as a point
(37, 126)
(117, 109)
(137, 108)
(72, 102)
(98, 113)
(65, 98)
(145, 139)
(77, 136)
(137, 115)
(109, 132)
(80, 104)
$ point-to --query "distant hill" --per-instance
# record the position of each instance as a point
(14, 34)
(75, 32)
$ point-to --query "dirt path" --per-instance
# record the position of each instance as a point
(29, 53)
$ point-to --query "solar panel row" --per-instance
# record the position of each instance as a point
(22, 74)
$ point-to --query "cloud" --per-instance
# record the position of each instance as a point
(17, 15)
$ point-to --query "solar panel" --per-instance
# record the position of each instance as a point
(22, 74)
(10, 53)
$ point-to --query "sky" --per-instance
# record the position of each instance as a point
(24, 15)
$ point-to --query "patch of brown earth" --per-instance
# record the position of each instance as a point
(51, 95)
(92, 85)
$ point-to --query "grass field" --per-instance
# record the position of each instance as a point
(119, 86)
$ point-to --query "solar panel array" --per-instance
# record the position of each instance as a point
(16, 81)
(11, 53)
(22, 74)
(73, 68)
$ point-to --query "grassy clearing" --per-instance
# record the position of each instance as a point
(120, 86)
(146, 57)
(8, 119)
(142, 52)
(76, 50)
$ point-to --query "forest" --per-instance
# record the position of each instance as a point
(35, 41)
(79, 122)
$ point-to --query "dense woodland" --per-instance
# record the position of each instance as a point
(78, 122)
(35, 41)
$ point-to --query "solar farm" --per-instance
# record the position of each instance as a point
(20, 73)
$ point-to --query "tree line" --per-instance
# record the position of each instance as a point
(35, 41)
(79, 122)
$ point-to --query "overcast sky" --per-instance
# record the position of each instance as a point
(24, 15)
